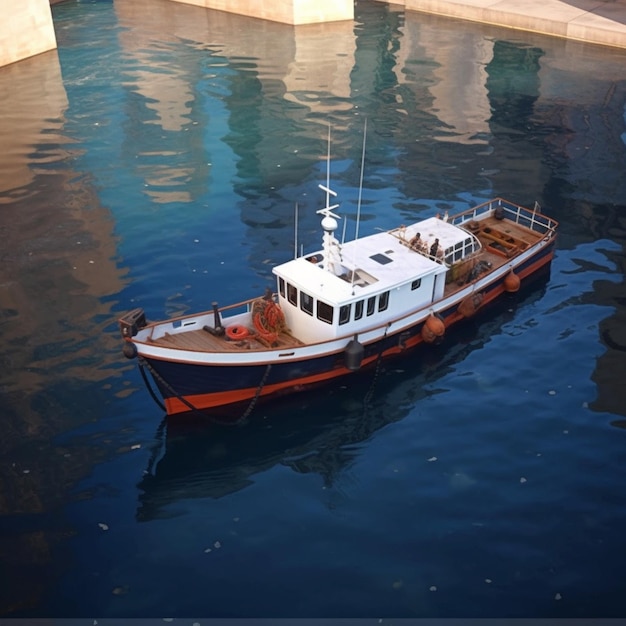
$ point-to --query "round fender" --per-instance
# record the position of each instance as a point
(129, 350)
(433, 329)
(512, 282)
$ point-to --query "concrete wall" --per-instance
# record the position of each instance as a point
(597, 21)
(285, 11)
(26, 29)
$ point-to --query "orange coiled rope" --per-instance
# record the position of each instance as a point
(268, 319)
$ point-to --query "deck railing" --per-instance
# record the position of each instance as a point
(530, 218)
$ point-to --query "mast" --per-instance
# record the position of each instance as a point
(331, 247)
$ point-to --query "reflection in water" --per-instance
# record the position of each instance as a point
(37, 111)
(57, 256)
(163, 149)
(315, 433)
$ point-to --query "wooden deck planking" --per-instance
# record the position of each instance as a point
(203, 341)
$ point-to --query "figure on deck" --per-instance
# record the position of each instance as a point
(416, 242)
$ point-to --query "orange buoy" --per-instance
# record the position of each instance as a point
(471, 304)
(236, 332)
(433, 328)
(512, 282)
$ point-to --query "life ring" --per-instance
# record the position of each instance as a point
(236, 332)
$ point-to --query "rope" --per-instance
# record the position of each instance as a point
(143, 363)
(165, 384)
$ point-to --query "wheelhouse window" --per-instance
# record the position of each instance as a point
(383, 301)
(292, 294)
(344, 313)
(281, 286)
(358, 310)
(306, 302)
(371, 305)
(416, 284)
(324, 312)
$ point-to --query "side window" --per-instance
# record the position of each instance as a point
(416, 284)
(358, 310)
(292, 294)
(344, 314)
(383, 301)
(281, 286)
(371, 303)
(306, 303)
(324, 312)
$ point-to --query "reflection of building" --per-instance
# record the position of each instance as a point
(36, 107)
(57, 265)
(303, 71)
(57, 248)
(457, 83)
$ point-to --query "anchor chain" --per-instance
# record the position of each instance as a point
(257, 394)
(143, 363)
(379, 360)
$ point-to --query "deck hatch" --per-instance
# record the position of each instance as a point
(383, 259)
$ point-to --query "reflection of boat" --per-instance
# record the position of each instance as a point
(193, 459)
(346, 306)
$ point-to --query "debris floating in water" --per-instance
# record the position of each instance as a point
(432, 458)
(433, 588)
(103, 526)
(522, 480)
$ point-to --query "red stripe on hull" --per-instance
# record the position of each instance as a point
(222, 399)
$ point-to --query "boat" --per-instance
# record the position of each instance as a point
(342, 308)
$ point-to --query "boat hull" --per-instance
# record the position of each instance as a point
(219, 388)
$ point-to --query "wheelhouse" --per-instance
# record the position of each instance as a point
(370, 281)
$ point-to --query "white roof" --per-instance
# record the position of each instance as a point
(381, 259)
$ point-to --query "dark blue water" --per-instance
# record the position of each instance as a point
(155, 160)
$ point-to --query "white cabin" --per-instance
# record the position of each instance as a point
(348, 288)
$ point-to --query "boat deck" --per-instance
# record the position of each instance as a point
(204, 341)
(501, 240)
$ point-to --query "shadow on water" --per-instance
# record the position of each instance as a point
(309, 432)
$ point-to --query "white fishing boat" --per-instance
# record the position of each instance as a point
(341, 308)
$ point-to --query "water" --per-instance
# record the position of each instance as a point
(155, 160)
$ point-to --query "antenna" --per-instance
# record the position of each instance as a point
(295, 234)
(358, 210)
(327, 210)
